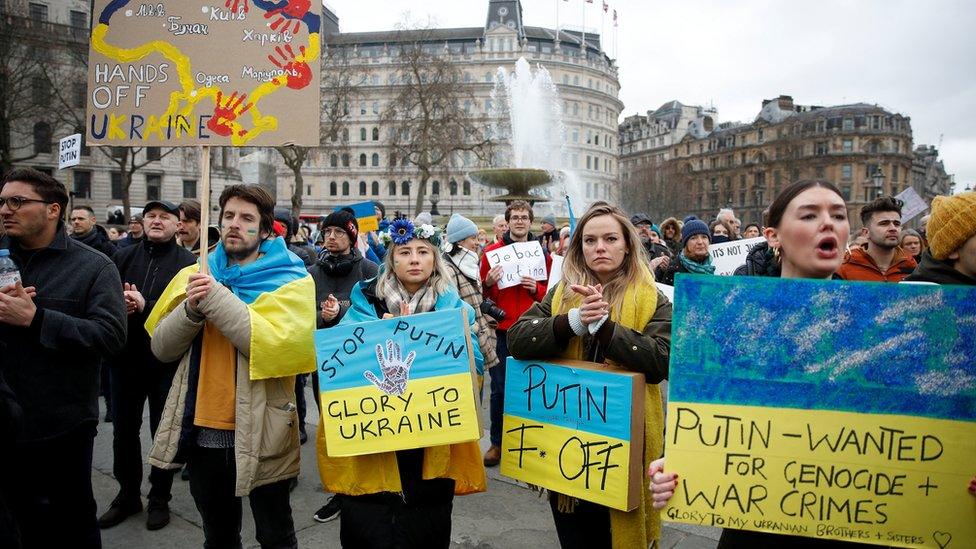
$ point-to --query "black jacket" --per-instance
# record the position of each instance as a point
(150, 266)
(52, 366)
(129, 241)
(337, 275)
(760, 261)
(940, 272)
(98, 239)
(666, 275)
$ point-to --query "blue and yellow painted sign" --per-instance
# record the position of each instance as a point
(575, 428)
(365, 213)
(824, 409)
(405, 382)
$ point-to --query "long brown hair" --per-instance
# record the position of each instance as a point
(633, 271)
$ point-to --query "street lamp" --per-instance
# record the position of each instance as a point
(877, 181)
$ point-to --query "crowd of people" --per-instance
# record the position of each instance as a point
(136, 320)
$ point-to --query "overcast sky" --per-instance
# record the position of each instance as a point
(909, 56)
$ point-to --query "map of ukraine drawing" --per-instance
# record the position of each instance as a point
(230, 58)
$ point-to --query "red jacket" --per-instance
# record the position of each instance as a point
(861, 266)
(514, 300)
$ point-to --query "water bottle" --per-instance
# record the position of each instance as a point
(9, 274)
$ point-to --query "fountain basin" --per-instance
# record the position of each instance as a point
(517, 181)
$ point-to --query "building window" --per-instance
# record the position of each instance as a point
(436, 187)
(116, 186)
(42, 138)
(152, 154)
(345, 160)
(40, 91)
(873, 147)
(332, 188)
(82, 185)
(362, 188)
(154, 187)
(848, 124)
(846, 172)
(362, 132)
(405, 188)
(392, 188)
(308, 190)
(466, 188)
(79, 19)
(345, 188)
(38, 12)
(376, 134)
(761, 136)
(822, 148)
(870, 169)
(375, 160)
(894, 172)
(846, 191)
(362, 160)
(375, 188)
(452, 188)
(848, 145)
(819, 172)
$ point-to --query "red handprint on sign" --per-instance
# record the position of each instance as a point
(290, 9)
(299, 74)
(223, 115)
(234, 4)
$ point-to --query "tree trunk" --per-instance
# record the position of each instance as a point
(126, 181)
(421, 192)
(296, 195)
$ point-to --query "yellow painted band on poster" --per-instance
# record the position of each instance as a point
(433, 411)
(874, 478)
(587, 465)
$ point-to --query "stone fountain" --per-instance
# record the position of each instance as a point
(527, 114)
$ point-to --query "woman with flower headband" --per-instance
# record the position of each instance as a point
(404, 498)
(606, 309)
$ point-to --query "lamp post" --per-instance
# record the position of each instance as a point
(877, 181)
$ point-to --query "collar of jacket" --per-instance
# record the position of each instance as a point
(157, 249)
(60, 241)
(860, 256)
(940, 272)
(508, 239)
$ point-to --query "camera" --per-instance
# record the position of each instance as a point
(489, 308)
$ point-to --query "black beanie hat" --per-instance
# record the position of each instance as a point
(344, 220)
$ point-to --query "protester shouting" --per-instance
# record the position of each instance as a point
(403, 498)
(807, 226)
(56, 324)
(137, 376)
(338, 268)
(606, 309)
(240, 334)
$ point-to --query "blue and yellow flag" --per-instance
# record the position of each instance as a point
(280, 298)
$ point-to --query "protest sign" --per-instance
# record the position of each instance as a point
(555, 269)
(729, 256)
(850, 415)
(519, 259)
(69, 151)
(189, 72)
(576, 428)
(365, 213)
(914, 204)
(400, 383)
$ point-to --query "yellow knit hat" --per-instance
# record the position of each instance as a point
(952, 223)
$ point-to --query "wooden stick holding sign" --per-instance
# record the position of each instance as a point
(204, 208)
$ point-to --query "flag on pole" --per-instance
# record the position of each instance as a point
(605, 7)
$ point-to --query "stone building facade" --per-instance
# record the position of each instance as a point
(864, 149)
(62, 28)
(584, 75)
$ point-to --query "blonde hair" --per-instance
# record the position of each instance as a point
(439, 278)
(633, 271)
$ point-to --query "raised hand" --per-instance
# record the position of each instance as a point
(330, 308)
(233, 5)
(288, 10)
(298, 72)
(224, 114)
(396, 370)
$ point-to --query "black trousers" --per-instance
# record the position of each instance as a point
(587, 527)
(49, 491)
(213, 474)
(132, 386)
(300, 381)
(496, 402)
(384, 521)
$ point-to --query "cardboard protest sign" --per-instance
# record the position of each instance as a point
(69, 151)
(851, 414)
(576, 428)
(365, 215)
(405, 382)
(555, 269)
(191, 72)
(519, 259)
(729, 256)
(914, 204)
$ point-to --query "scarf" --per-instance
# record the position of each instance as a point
(695, 267)
(467, 263)
(421, 301)
(338, 265)
(641, 526)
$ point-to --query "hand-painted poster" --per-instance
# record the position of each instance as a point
(196, 72)
(824, 409)
(405, 382)
(576, 428)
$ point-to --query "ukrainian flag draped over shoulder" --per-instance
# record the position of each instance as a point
(280, 298)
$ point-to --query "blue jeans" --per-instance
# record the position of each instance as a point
(496, 404)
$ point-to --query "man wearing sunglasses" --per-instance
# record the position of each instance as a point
(56, 325)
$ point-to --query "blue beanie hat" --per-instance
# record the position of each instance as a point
(459, 228)
(691, 228)
(656, 229)
(689, 218)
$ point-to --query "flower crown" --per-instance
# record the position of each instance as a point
(403, 230)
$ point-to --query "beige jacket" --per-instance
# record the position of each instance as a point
(266, 426)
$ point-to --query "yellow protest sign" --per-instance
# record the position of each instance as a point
(575, 428)
(870, 439)
(396, 384)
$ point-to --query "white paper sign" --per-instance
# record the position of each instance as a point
(517, 260)
(914, 204)
(555, 270)
(729, 256)
(69, 151)
(668, 291)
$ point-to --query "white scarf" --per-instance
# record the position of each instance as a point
(467, 263)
